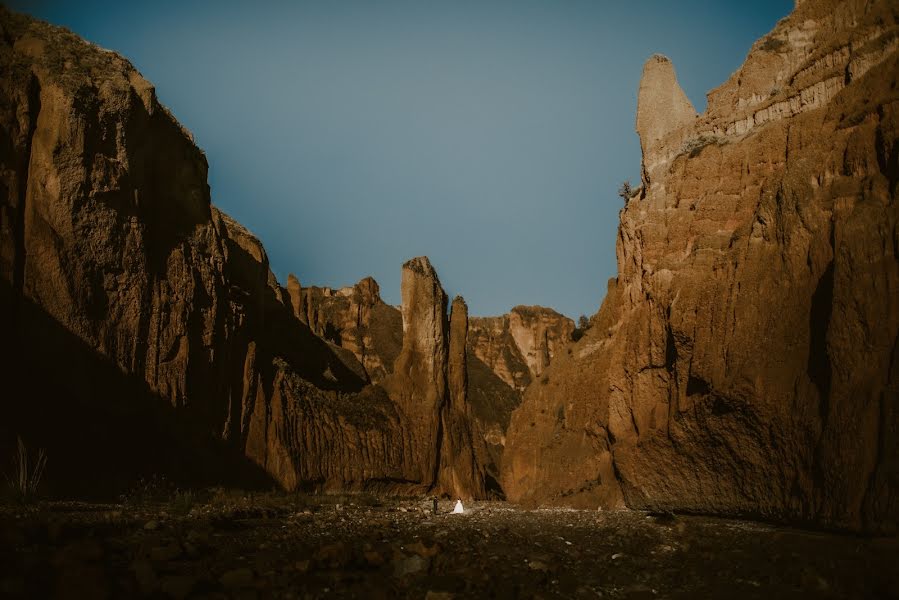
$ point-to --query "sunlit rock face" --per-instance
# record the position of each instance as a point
(428, 386)
(518, 346)
(744, 361)
(355, 319)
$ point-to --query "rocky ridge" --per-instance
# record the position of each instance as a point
(744, 360)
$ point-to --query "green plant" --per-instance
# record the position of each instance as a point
(182, 502)
(583, 324)
(25, 477)
(626, 191)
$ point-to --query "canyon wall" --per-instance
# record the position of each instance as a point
(745, 360)
(502, 354)
(144, 332)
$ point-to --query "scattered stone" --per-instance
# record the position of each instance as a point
(145, 575)
(422, 550)
(408, 565)
(538, 565)
(165, 553)
(177, 586)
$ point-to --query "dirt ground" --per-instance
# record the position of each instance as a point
(227, 545)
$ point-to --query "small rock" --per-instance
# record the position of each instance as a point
(422, 550)
(237, 578)
(409, 565)
(537, 565)
(333, 555)
(432, 595)
(165, 553)
(302, 566)
(145, 575)
(178, 586)
(151, 525)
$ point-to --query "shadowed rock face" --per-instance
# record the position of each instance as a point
(367, 335)
(150, 335)
(744, 361)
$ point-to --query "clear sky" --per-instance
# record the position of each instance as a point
(488, 135)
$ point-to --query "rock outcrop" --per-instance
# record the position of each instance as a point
(438, 447)
(744, 361)
(518, 346)
(354, 318)
(145, 332)
(506, 354)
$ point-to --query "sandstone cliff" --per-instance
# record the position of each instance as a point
(746, 358)
(144, 330)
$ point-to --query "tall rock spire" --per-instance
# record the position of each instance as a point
(662, 107)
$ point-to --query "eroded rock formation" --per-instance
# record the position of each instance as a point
(518, 346)
(438, 446)
(506, 354)
(746, 359)
(144, 330)
(356, 319)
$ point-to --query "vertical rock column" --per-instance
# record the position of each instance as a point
(297, 297)
(460, 474)
(428, 385)
(418, 383)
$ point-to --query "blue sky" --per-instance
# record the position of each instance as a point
(489, 135)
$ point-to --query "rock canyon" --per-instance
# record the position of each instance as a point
(744, 362)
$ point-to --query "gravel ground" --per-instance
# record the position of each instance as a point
(232, 546)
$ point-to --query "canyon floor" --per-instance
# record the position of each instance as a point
(220, 544)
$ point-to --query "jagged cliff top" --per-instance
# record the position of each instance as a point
(807, 58)
(59, 57)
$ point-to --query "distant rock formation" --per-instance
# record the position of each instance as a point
(745, 361)
(354, 318)
(518, 346)
(506, 354)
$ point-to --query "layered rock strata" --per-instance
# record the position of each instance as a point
(744, 361)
